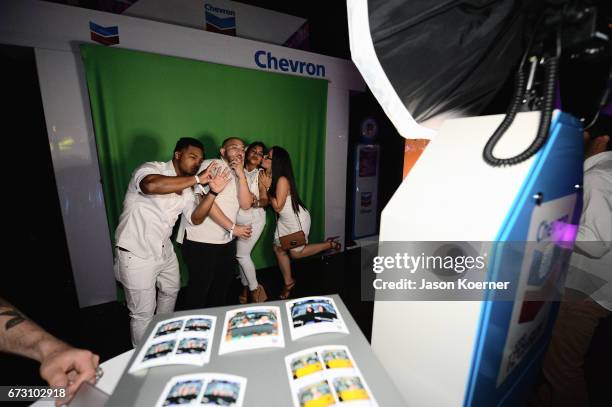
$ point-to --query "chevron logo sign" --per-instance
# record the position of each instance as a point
(220, 20)
(104, 35)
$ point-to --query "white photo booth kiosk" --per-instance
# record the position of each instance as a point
(484, 351)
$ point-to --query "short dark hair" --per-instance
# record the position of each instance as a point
(231, 138)
(185, 142)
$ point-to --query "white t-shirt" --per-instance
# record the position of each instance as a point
(591, 263)
(227, 200)
(146, 222)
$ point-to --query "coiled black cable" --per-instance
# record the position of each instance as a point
(551, 69)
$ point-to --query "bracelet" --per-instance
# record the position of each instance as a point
(231, 231)
(197, 179)
(210, 191)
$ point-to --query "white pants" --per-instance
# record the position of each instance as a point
(244, 247)
(140, 278)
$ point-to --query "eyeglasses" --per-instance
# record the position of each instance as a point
(267, 157)
(258, 154)
(235, 147)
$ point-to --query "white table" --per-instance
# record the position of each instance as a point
(264, 368)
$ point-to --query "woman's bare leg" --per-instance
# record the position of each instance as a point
(284, 263)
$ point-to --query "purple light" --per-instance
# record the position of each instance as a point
(564, 234)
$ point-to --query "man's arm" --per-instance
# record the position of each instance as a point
(157, 184)
(217, 215)
(595, 232)
(203, 209)
(61, 364)
(245, 199)
(216, 184)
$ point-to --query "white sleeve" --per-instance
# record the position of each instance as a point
(141, 172)
(190, 206)
(203, 189)
(595, 231)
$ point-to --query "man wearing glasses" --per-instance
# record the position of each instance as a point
(209, 248)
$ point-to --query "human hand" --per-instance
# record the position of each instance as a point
(237, 164)
(68, 367)
(242, 231)
(219, 181)
(265, 179)
(207, 174)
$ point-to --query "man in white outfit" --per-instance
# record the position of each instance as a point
(209, 249)
(157, 194)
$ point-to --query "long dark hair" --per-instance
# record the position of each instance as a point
(281, 167)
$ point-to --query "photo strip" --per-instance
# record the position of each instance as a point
(327, 376)
(204, 389)
(314, 315)
(186, 340)
(251, 328)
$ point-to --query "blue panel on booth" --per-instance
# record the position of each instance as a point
(513, 335)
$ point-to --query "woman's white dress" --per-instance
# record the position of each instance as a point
(288, 222)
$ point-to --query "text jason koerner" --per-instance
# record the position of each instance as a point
(460, 284)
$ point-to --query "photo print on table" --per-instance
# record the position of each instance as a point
(159, 350)
(204, 389)
(221, 393)
(183, 392)
(337, 359)
(317, 394)
(327, 376)
(251, 328)
(198, 325)
(314, 315)
(182, 340)
(306, 364)
(169, 328)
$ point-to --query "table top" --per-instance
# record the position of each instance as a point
(264, 369)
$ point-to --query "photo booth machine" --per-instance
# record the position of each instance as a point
(482, 181)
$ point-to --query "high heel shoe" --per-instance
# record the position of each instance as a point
(287, 290)
(259, 294)
(243, 298)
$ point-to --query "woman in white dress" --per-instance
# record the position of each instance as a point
(256, 217)
(292, 216)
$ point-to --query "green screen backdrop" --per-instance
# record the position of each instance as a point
(142, 103)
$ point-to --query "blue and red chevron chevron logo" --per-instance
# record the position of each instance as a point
(220, 20)
(104, 35)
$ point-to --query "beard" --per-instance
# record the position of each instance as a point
(193, 170)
